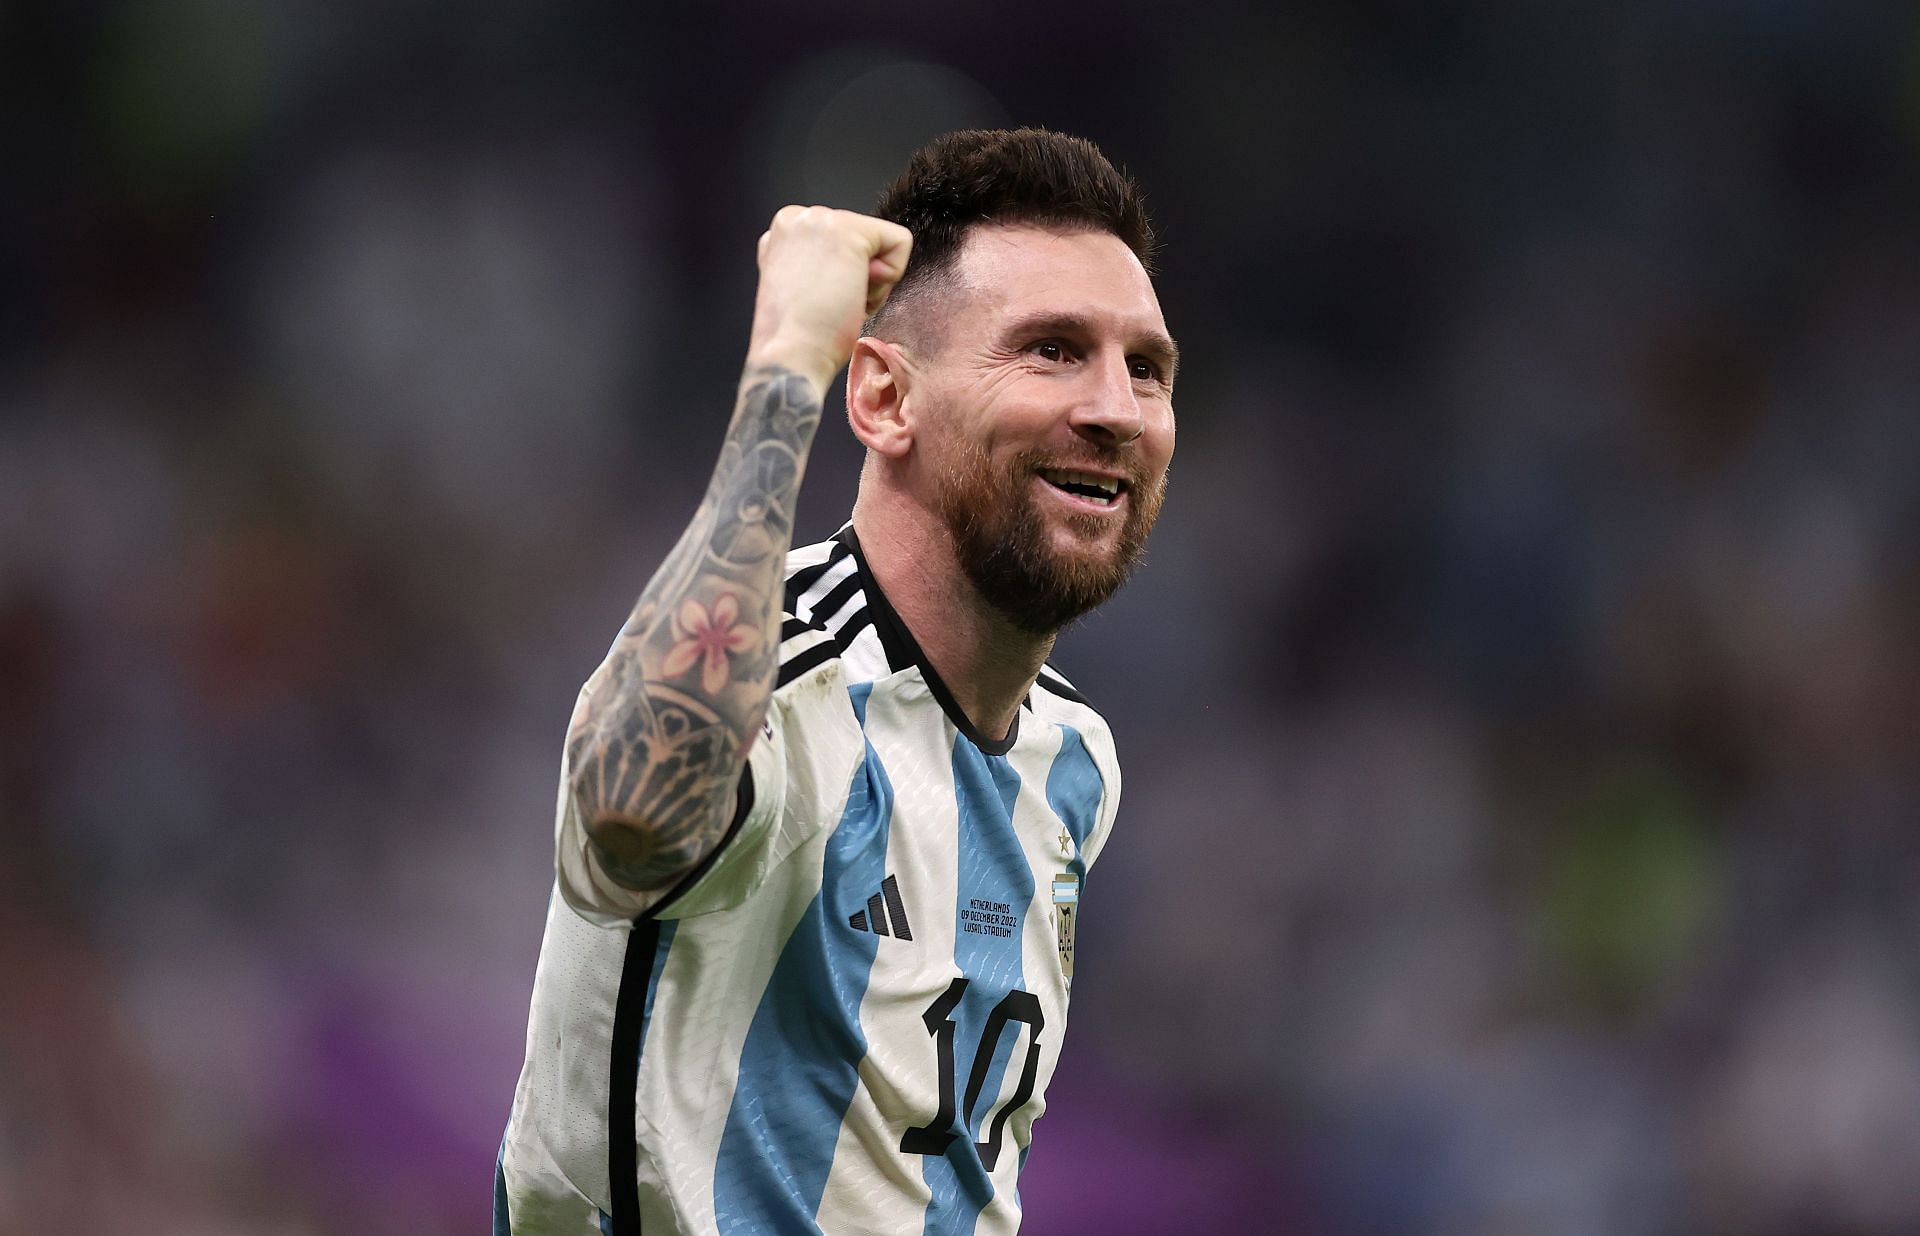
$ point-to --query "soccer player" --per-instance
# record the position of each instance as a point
(825, 815)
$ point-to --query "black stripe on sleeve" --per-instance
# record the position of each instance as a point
(829, 605)
(852, 627)
(895, 640)
(629, 1021)
(800, 662)
(804, 578)
(790, 627)
(742, 804)
(1058, 685)
(623, 1077)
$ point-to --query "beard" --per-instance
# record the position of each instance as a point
(1006, 547)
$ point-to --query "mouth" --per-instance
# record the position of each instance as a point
(1086, 488)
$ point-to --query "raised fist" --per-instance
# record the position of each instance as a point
(822, 272)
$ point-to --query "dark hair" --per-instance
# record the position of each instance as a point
(1032, 176)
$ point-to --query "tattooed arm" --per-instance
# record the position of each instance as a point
(657, 751)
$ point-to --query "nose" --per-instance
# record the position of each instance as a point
(1109, 412)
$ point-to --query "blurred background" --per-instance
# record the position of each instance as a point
(1520, 707)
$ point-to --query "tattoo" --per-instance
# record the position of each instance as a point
(657, 750)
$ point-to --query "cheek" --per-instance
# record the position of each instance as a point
(963, 416)
(954, 446)
(1159, 442)
(942, 427)
(1004, 415)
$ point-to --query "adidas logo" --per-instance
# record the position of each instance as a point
(879, 906)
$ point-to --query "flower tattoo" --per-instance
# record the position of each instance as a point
(707, 636)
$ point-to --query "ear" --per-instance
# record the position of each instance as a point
(878, 380)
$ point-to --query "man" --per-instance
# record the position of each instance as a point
(824, 815)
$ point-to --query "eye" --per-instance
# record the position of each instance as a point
(1145, 370)
(1049, 349)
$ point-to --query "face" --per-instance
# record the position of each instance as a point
(1047, 419)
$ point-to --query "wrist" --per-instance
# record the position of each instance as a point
(817, 369)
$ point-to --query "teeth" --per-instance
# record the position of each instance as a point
(1105, 484)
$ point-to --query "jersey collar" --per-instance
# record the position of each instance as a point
(903, 652)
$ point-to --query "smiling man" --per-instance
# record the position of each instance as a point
(825, 813)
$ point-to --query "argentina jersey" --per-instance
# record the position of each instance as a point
(844, 1020)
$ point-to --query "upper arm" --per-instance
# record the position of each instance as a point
(1089, 774)
(651, 772)
(795, 778)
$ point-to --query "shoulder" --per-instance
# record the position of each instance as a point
(828, 615)
(1083, 774)
(817, 577)
(1052, 683)
(1055, 699)
(1059, 703)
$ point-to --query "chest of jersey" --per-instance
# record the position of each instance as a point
(952, 873)
(902, 1044)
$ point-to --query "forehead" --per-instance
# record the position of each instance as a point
(1021, 271)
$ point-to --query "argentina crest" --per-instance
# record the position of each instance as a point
(1066, 900)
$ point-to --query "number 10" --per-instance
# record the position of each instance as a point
(934, 1136)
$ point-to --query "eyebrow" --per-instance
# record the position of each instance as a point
(1154, 344)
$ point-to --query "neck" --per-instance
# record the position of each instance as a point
(988, 664)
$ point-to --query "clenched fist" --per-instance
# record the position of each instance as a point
(822, 272)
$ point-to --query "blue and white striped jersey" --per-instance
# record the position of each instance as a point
(845, 1020)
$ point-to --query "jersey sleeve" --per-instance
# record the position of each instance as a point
(796, 778)
(1099, 740)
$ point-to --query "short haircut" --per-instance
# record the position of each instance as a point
(1005, 176)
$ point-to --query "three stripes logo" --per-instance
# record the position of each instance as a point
(883, 906)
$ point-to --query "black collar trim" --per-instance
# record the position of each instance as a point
(903, 652)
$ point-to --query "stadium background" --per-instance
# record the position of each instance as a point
(1519, 706)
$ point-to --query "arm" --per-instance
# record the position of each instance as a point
(656, 753)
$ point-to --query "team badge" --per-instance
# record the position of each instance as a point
(1066, 900)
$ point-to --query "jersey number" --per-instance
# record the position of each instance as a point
(935, 1136)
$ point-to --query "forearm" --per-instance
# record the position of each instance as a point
(656, 753)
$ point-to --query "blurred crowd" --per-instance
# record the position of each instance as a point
(1520, 706)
